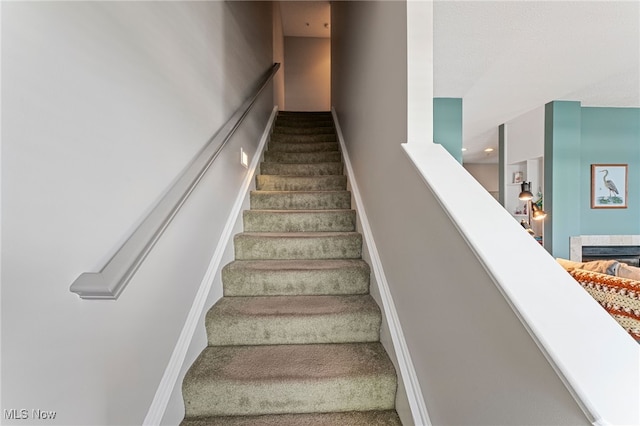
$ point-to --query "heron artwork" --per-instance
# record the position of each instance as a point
(611, 191)
(609, 184)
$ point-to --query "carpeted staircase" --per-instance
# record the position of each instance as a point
(295, 339)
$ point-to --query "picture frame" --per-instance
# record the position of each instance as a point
(609, 186)
(518, 177)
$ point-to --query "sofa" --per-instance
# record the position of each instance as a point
(615, 285)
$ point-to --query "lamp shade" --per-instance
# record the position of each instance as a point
(525, 194)
(537, 213)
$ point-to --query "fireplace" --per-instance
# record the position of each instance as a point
(627, 254)
(623, 248)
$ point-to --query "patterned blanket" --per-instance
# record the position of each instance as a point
(619, 296)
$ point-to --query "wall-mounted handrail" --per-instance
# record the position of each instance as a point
(116, 274)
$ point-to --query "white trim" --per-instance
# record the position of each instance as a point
(168, 382)
(408, 373)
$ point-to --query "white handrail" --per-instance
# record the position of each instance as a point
(113, 278)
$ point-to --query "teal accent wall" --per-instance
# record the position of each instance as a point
(562, 177)
(610, 136)
(575, 138)
(447, 125)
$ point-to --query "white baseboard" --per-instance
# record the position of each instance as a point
(408, 373)
(168, 382)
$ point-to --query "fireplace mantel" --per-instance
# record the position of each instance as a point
(576, 243)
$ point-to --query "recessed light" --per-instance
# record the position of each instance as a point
(488, 150)
(464, 149)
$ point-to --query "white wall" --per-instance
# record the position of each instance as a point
(308, 73)
(525, 136)
(104, 104)
(474, 360)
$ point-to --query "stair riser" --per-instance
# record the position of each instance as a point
(301, 183)
(300, 201)
(304, 115)
(283, 169)
(308, 326)
(251, 247)
(281, 137)
(285, 331)
(303, 122)
(237, 398)
(303, 147)
(290, 282)
(319, 130)
(320, 221)
(352, 418)
(302, 158)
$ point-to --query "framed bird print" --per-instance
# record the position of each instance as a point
(608, 186)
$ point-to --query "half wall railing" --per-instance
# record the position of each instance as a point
(595, 358)
(116, 274)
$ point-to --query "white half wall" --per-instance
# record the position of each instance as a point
(475, 361)
(104, 104)
(308, 73)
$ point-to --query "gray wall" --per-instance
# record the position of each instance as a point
(104, 104)
(308, 73)
(486, 175)
(278, 56)
(475, 362)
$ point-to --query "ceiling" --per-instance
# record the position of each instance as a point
(505, 58)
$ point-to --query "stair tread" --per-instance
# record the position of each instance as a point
(314, 192)
(288, 306)
(301, 211)
(274, 168)
(291, 124)
(298, 265)
(303, 138)
(290, 363)
(298, 245)
(311, 165)
(295, 277)
(301, 183)
(307, 177)
(299, 234)
(295, 200)
(303, 147)
(349, 418)
(319, 129)
(302, 157)
(281, 379)
(299, 220)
